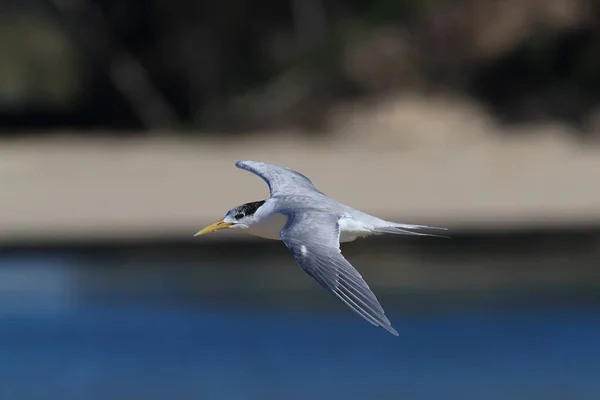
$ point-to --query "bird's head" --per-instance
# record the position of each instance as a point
(238, 217)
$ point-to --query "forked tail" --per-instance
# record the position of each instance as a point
(402, 229)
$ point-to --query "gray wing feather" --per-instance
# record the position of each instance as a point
(281, 180)
(313, 239)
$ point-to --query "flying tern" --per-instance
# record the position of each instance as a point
(312, 226)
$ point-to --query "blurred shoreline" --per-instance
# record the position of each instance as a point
(69, 188)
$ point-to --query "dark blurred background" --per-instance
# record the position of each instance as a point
(234, 66)
(120, 122)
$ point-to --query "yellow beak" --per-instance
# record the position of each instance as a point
(217, 226)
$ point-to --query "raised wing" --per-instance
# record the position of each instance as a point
(313, 238)
(281, 180)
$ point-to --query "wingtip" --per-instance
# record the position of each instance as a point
(391, 330)
(387, 325)
(247, 164)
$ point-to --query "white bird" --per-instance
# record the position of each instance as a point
(312, 225)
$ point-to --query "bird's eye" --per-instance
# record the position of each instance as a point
(239, 216)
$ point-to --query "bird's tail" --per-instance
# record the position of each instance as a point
(403, 229)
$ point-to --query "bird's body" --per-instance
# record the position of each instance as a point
(312, 225)
(353, 223)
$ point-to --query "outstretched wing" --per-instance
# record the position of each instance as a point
(281, 180)
(313, 238)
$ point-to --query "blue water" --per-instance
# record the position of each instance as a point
(184, 352)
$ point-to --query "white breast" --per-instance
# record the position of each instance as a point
(269, 227)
